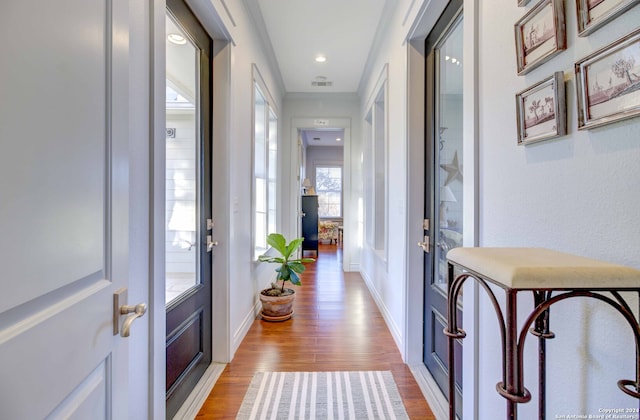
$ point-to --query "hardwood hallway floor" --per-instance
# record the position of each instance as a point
(336, 326)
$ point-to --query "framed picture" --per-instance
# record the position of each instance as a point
(608, 83)
(594, 14)
(540, 35)
(542, 110)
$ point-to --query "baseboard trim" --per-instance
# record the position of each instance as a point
(201, 391)
(244, 327)
(393, 328)
(435, 398)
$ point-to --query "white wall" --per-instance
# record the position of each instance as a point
(384, 276)
(573, 194)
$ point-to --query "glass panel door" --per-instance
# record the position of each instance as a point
(443, 228)
(183, 134)
(189, 224)
(448, 180)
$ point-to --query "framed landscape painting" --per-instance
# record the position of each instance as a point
(594, 14)
(608, 83)
(540, 35)
(542, 110)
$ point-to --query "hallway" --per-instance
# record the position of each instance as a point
(336, 326)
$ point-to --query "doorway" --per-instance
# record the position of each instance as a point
(299, 163)
(443, 208)
(322, 174)
(188, 223)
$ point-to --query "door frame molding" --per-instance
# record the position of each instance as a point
(157, 313)
(307, 123)
(221, 337)
(414, 303)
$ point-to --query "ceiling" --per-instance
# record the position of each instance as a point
(323, 137)
(299, 30)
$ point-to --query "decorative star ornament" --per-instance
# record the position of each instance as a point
(452, 169)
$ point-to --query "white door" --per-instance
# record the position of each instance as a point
(63, 208)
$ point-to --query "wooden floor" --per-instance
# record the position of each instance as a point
(336, 326)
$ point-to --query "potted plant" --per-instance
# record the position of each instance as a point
(277, 301)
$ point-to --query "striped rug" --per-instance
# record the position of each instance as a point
(322, 395)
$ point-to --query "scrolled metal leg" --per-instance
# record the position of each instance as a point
(619, 305)
(453, 332)
(542, 331)
(541, 325)
(624, 385)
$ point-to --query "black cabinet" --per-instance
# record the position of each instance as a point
(310, 223)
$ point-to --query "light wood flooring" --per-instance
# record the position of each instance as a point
(336, 326)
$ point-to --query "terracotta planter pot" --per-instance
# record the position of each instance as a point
(277, 308)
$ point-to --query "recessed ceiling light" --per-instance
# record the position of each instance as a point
(176, 39)
(321, 58)
(338, 139)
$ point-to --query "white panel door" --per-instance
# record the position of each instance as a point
(63, 207)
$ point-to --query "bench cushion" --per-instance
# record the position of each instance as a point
(540, 268)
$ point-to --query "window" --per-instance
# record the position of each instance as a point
(379, 171)
(329, 190)
(376, 170)
(265, 167)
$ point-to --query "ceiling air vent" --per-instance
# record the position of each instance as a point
(323, 83)
(316, 138)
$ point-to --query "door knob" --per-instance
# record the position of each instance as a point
(133, 312)
(211, 243)
(424, 245)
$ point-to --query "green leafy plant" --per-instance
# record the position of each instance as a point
(289, 268)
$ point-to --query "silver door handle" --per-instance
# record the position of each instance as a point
(120, 308)
(134, 312)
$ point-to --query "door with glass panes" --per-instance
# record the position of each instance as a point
(443, 228)
(188, 224)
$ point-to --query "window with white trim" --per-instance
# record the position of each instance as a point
(376, 171)
(329, 190)
(265, 153)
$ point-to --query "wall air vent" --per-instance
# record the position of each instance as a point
(321, 83)
(316, 138)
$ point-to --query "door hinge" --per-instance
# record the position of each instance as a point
(426, 223)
